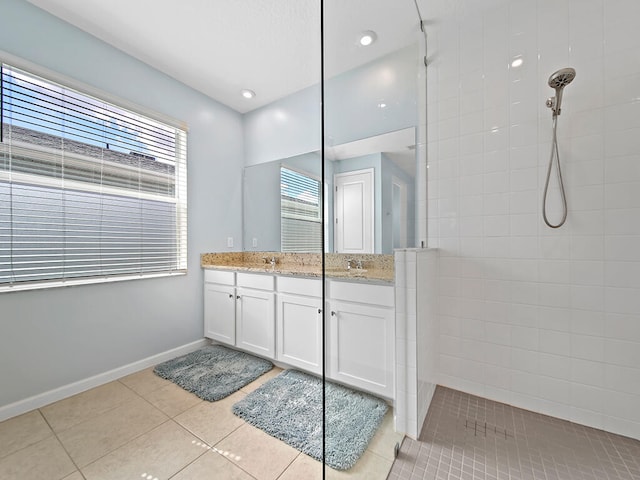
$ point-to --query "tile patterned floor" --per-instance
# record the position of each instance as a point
(465, 437)
(144, 427)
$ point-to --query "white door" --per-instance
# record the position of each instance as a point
(353, 202)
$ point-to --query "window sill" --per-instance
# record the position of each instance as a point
(25, 286)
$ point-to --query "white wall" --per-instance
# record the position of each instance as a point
(51, 338)
(544, 319)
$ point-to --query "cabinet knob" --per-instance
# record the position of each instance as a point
(319, 310)
(333, 314)
(231, 295)
(238, 297)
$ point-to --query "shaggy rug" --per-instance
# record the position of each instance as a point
(213, 372)
(289, 407)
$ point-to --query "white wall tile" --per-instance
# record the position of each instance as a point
(556, 366)
(620, 352)
(524, 337)
(559, 308)
(587, 372)
(587, 347)
(558, 343)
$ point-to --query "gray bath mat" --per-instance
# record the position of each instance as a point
(213, 372)
(289, 407)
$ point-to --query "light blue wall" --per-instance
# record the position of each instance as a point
(284, 128)
(291, 126)
(50, 338)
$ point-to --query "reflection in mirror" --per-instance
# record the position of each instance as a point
(274, 203)
(370, 204)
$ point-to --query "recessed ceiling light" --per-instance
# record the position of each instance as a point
(367, 38)
(517, 62)
(246, 93)
(382, 105)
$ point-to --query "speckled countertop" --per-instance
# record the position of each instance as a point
(376, 268)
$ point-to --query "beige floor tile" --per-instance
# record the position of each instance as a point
(22, 431)
(83, 406)
(144, 381)
(172, 400)
(369, 467)
(94, 438)
(212, 421)
(161, 453)
(45, 460)
(213, 466)
(74, 476)
(303, 467)
(274, 372)
(257, 453)
(385, 439)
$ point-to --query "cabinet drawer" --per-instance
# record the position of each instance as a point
(219, 276)
(300, 286)
(252, 280)
(383, 295)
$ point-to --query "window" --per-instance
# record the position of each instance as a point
(300, 211)
(89, 191)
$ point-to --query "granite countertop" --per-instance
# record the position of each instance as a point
(375, 268)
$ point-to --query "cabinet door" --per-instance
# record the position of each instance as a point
(220, 313)
(300, 332)
(255, 321)
(361, 346)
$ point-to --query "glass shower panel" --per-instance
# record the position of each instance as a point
(373, 85)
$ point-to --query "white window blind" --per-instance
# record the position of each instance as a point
(300, 211)
(88, 190)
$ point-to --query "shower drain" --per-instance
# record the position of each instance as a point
(482, 429)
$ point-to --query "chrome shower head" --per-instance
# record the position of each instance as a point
(558, 80)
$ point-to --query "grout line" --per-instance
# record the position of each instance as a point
(62, 445)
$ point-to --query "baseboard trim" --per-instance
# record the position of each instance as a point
(45, 398)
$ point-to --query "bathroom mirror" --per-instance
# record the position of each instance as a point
(371, 150)
(372, 210)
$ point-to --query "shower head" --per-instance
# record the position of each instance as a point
(562, 78)
(558, 80)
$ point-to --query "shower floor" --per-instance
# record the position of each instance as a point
(471, 438)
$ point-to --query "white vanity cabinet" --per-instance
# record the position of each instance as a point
(299, 323)
(255, 313)
(239, 310)
(281, 317)
(362, 335)
(220, 306)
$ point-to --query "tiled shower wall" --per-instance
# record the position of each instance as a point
(544, 319)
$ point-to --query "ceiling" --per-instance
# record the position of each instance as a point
(220, 47)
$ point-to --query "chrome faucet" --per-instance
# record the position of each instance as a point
(358, 264)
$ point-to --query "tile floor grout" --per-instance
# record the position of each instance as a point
(541, 447)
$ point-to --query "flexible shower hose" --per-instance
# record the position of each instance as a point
(554, 153)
